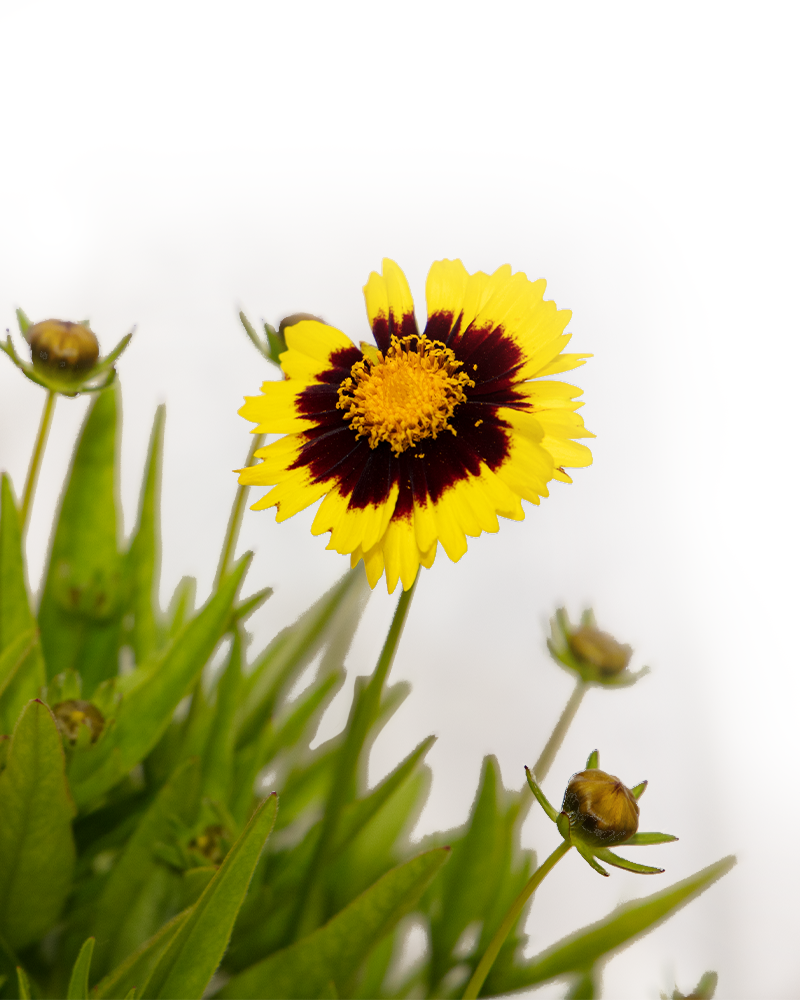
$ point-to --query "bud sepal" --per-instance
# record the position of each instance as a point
(595, 656)
(599, 811)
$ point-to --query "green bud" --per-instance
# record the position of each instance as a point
(601, 810)
(600, 649)
(73, 714)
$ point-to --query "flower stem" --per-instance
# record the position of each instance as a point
(36, 458)
(551, 748)
(491, 953)
(235, 520)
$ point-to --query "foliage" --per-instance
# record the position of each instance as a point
(147, 856)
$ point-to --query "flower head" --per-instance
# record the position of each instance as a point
(596, 656)
(423, 438)
(600, 811)
(64, 356)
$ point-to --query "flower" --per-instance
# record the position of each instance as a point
(64, 356)
(595, 656)
(424, 438)
(598, 811)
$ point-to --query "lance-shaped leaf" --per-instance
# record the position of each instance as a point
(36, 845)
(131, 974)
(128, 910)
(81, 600)
(580, 951)
(643, 839)
(147, 709)
(78, 988)
(194, 953)
(333, 953)
(631, 866)
(21, 678)
(143, 561)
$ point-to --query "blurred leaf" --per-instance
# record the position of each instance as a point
(580, 951)
(136, 969)
(129, 911)
(20, 679)
(194, 953)
(333, 953)
(181, 607)
(36, 842)
(23, 984)
(218, 751)
(79, 980)
(146, 711)
(80, 607)
(143, 560)
(704, 990)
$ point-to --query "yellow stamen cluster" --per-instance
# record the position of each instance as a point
(405, 396)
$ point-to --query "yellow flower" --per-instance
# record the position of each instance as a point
(426, 438)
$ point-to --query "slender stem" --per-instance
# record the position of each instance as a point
(551, 748)
(36, 457)
(491, 953)
(235, 520)
(366, 707)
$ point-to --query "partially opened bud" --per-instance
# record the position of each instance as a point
(74, 713)
(600, 649)
(62, 348)
(601, 810)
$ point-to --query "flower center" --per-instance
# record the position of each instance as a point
(405, 396)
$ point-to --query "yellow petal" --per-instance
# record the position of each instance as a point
(389, 302)
(275, 410)
(310, 345)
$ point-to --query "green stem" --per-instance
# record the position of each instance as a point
(491, 953)
(553, 745)
(235, 520)
(36, 458)
(366, 707)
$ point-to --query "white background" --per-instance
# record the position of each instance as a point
(167, 164)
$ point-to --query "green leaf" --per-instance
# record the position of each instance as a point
(594, 760)
(642, 839)
(36, 842)
(219, 748)
(129, 909)
(136, 969)
(541, 798)
(24, 985)
(193, 955)
(20, 679)
(582, 950)
(631, 866)
(79, 980)
(143, 560)
(146, 711)
(81, 600)
(333, 953)
(13, 656)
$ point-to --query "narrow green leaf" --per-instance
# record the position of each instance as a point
(251, 604)
(14, 655)
(147, 710)
(79, 980)
(81, 600)
(594, 760)
(333, 953)
(631, 866)
(24, 985)
(36, 842)
(219, 748)
(20, 680)
(541, 798)
(143, 560)
(638, 790)
(589, 857)
(580, 951)
(132, 974)
(192, 957)
(127, 912)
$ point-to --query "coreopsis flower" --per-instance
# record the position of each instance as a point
(599, 811)
(595, 656)
(424, 438)
(64, 356)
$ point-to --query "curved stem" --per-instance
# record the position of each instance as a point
(491, 953)
(36, 457)
(235, 520)
(551, 748)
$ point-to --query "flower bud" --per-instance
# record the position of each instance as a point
(74, 713)
(62, 348)
(600, 649)
(601, 810)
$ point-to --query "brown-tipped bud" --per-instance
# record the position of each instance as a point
(62, 348)
(601, 810)
(600, 649)
(72, 714)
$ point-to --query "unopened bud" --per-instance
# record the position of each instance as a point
(62, 348)
(211, 843)
(600, 649)
(74, 713)
(601, 810)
